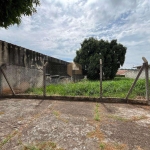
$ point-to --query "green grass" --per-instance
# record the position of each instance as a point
(118, 87)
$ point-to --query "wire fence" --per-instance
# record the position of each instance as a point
(50, 81)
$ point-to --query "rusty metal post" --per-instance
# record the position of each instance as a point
(101, 76)
(44, 79)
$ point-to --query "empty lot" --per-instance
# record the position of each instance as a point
(66, 125)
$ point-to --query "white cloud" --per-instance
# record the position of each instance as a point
(59, 26)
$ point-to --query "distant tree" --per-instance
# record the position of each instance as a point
(111, 53)
(11, 11)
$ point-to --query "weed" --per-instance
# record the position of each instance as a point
(1, 113)
(102, 146)
(56, 113)
(47, 145)
(138, 148)
(97, 117)
(8, 138)
(137, 118)
(117, 118)
(134, 118)
(96, 133)
(119, 146)
(96, 114)
(106, 145)
(31, 148)
(112, 146)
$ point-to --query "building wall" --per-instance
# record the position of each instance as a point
(133, 74)
(74, 69)
(23, 65)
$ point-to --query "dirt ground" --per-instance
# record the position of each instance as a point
(65, 125)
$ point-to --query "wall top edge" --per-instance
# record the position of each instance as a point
(49, 57)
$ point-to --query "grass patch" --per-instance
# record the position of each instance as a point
(118, 87)
(47, 145)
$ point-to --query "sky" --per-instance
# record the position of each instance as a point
(60, 26)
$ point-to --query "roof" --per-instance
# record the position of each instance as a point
(121, 72)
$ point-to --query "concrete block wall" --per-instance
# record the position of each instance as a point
(15, 55)
(24, 65)
(21, 79)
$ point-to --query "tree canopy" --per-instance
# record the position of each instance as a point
(92, 50)
(12, 10)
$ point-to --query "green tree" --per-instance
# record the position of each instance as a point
(92, 50)
(12, 10)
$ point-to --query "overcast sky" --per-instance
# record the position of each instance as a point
(59, 26)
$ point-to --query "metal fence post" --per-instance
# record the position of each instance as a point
(144, 66)
(0, 83)
(146, 79)
(44, 79)
(101, 74)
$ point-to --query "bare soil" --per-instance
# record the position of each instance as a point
(67, 125)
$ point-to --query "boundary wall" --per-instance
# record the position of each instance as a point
(133, 73)
(23, 67)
